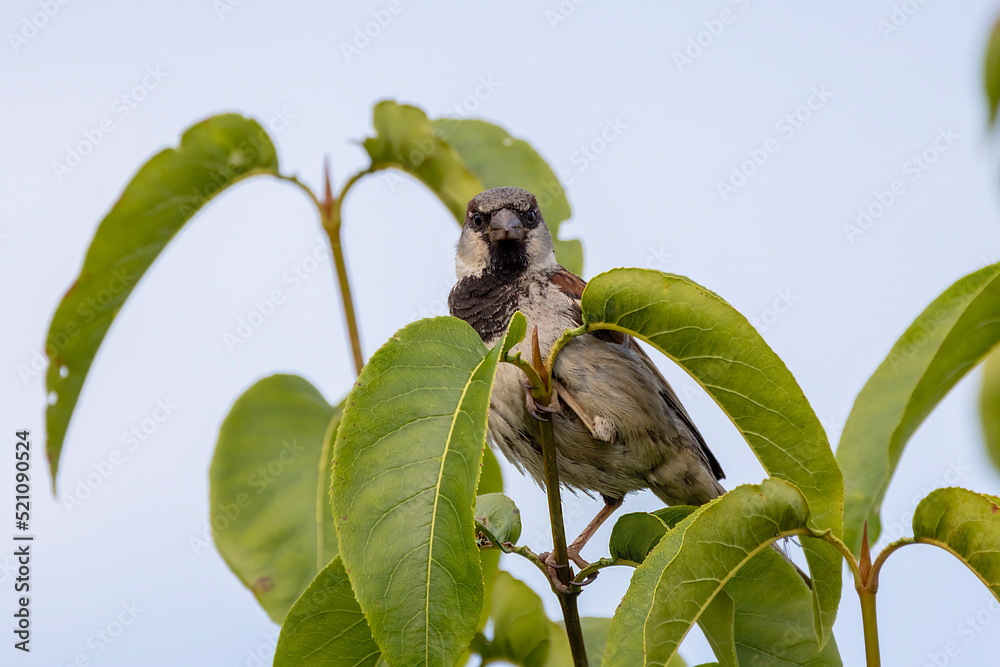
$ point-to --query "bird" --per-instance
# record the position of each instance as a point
(618, 426)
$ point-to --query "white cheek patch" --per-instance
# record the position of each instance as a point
(472, 256)
(540, 251)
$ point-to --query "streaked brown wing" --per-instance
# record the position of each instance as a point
(573, 285)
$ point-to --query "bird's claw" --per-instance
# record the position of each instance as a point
(541, 412)
(553, 568)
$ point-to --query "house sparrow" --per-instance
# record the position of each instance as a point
(618, 426)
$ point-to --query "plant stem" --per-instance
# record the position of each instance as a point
(599, 565)
(330, 212)
(882, 556)
(870, 623)
(567, 600)
(333, 233)
(329, 215)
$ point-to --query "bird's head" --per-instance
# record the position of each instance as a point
(503, 234)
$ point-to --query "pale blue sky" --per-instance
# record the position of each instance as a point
(651, 198)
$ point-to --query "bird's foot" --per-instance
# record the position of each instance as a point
(554, 567)
(541, 412)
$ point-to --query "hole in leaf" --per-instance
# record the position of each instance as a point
(53, 397)
(237, 159)
(63, 371)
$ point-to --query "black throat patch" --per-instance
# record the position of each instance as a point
(487, 302)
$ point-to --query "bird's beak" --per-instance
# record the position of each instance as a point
(505, 226)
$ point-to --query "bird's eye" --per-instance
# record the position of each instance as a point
(477, 220)
(530, 216)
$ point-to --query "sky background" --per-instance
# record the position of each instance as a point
(651, 198)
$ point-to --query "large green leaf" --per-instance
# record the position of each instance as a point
(325, 626)
(719, 348)
(458, 159)
(269, 489)
(406, 467)
(967, 524)
(991, 72)
(498, 159)
(672, 588)
(165, 193)
(405, 139)
(763, 614)
(943, 344)
(989, 406)
(772, 624)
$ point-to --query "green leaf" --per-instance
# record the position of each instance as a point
(490, 481)
(498, 159)
(458, 159)
(634, 535)
(718, 622)
(719, 348)
(406, 468)
(521, 629)
(325, 626)
(268, 489)
(989, 406)
(405, 139)
(671, 516)
(595, 638)
(967, 524)
(764, 610)
(165, 193)
(497, 514)
(991, 72)
(692, 563)
(944, 343)
(772, 616)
